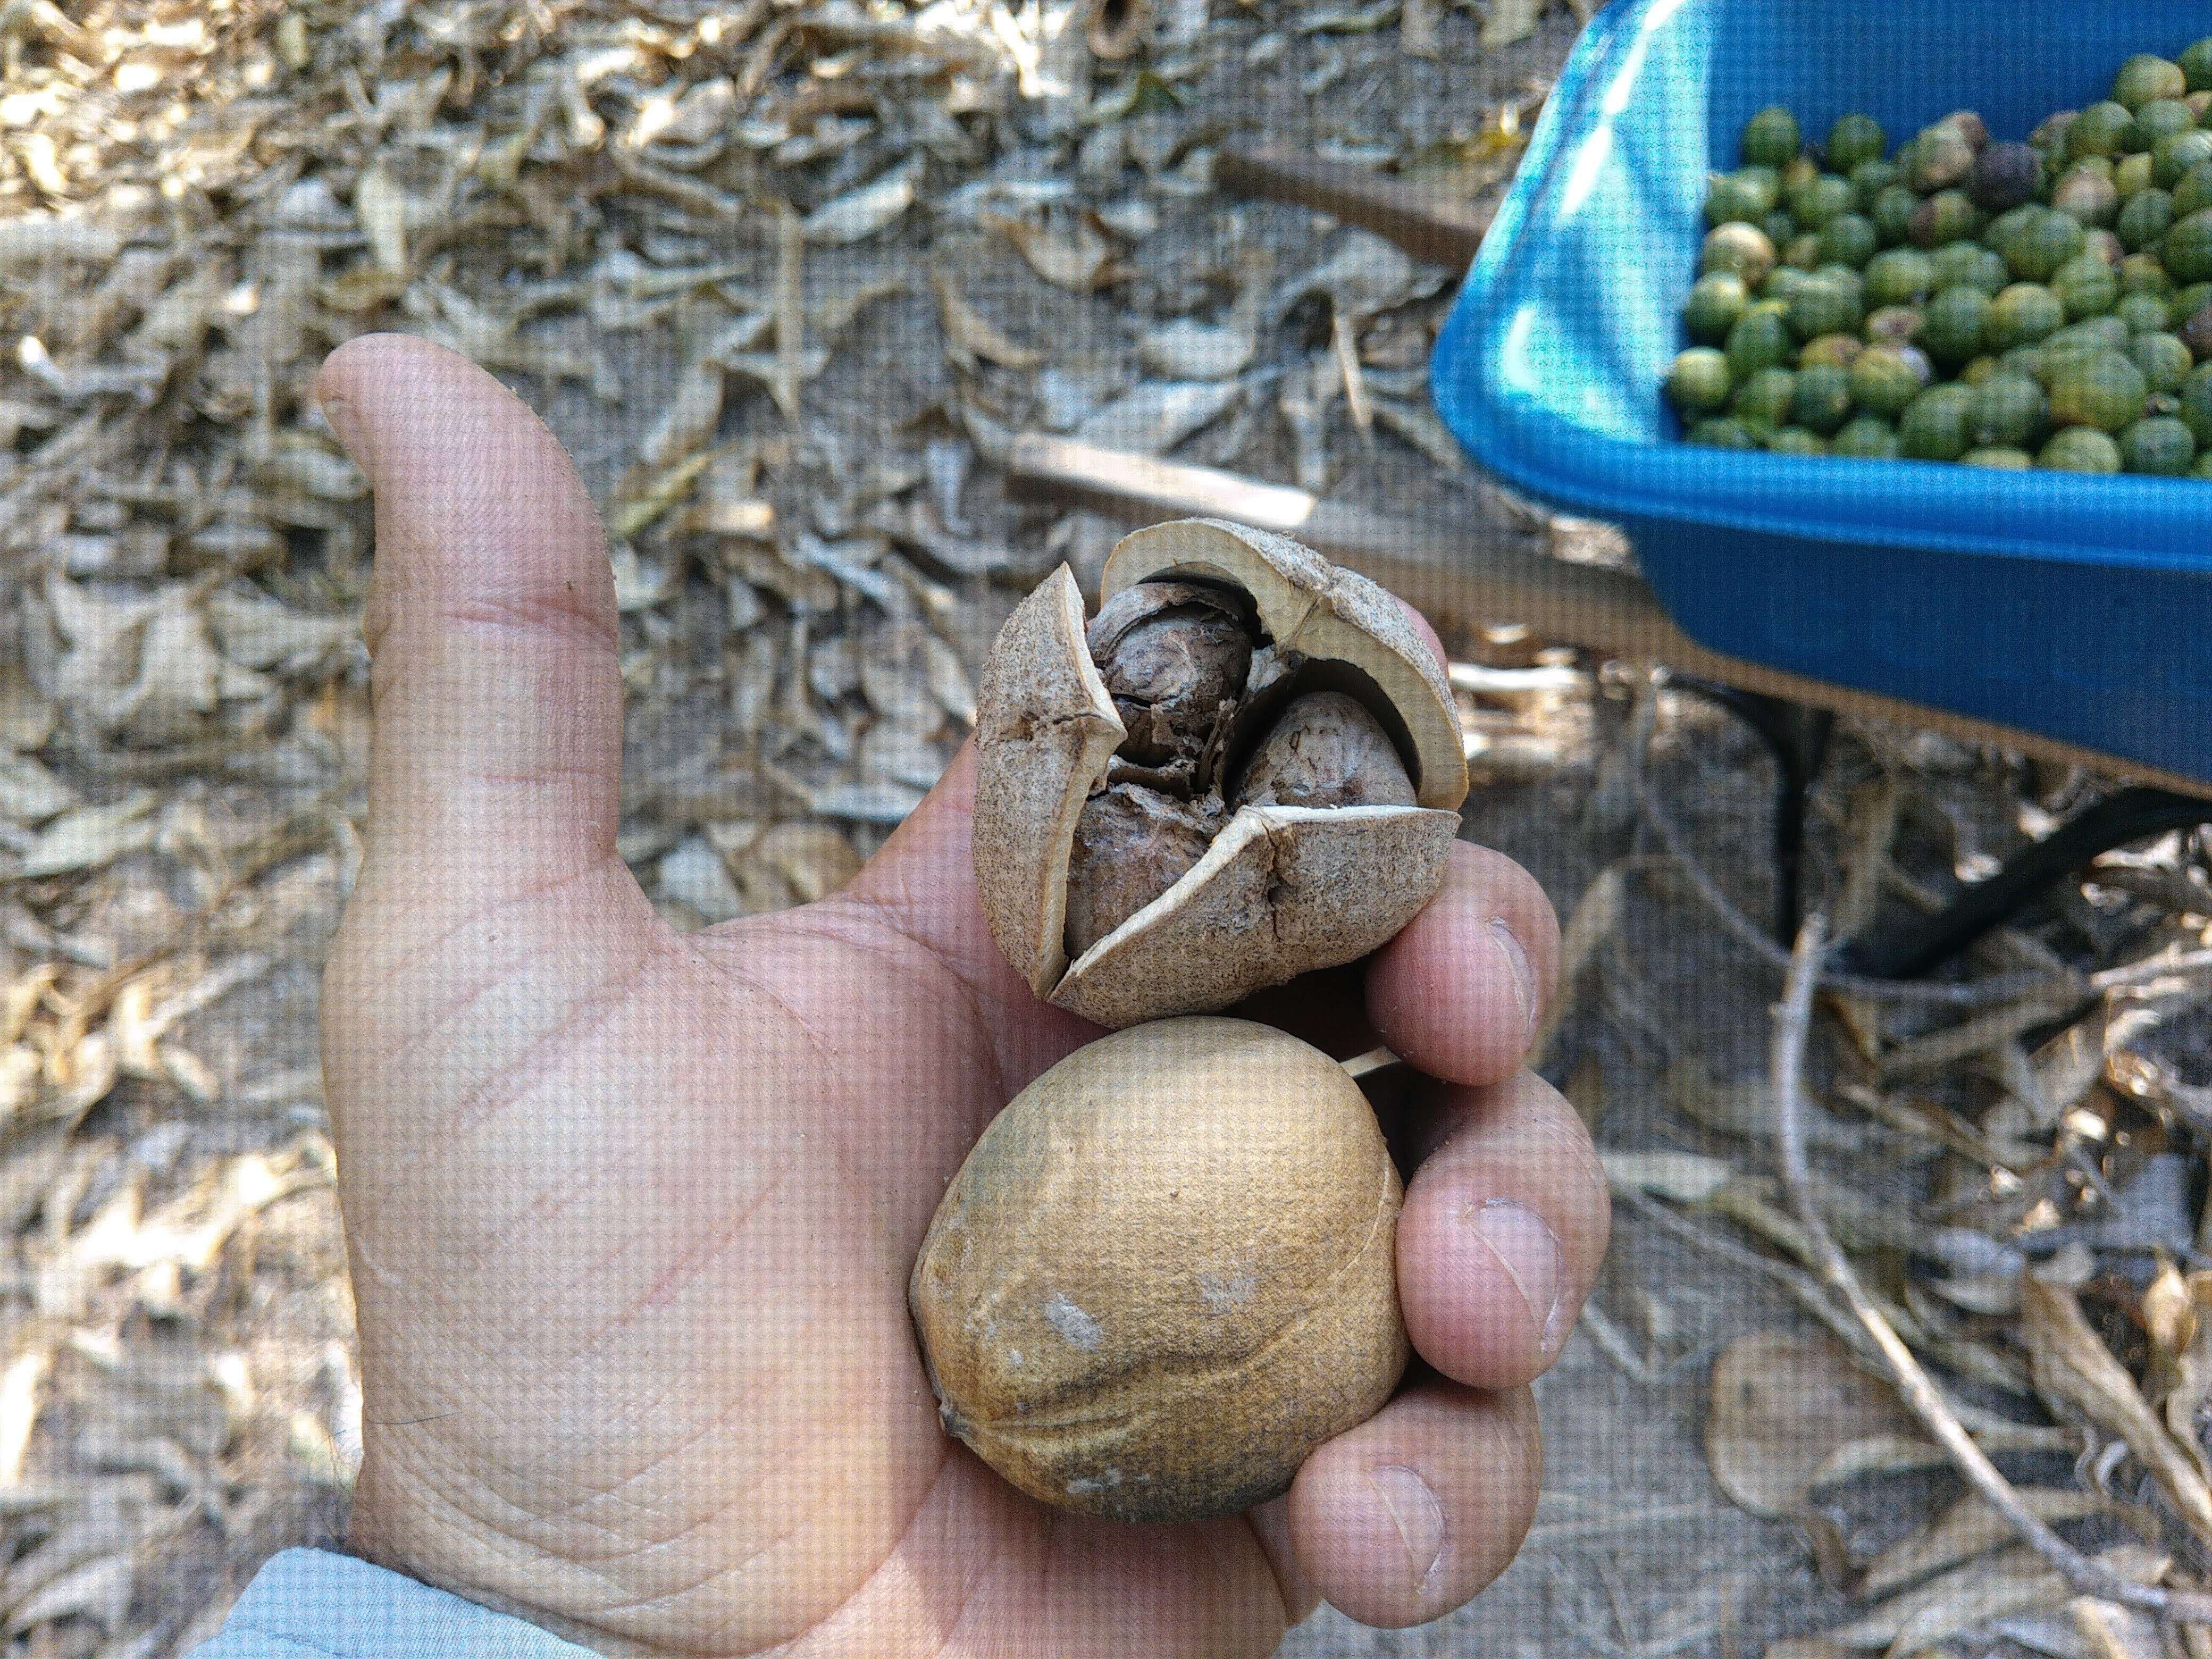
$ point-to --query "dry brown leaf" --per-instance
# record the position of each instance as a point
(1596, 917)
(2076, 1373)
(2113, 1631)
(1081, 261)
(873, 208)
(1781, 1406)
(1683, 1177)
(2011, 1581)
(90, 837)
(1509, 21)
(1970, 1527)
(969, 336)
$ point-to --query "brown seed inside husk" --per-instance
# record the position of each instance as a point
(1172, 654)
(1132, 844)
(1325, 751)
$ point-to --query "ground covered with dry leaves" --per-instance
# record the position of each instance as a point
(787, 276)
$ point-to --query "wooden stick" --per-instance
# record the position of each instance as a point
(2083, 1576)
(1425, 226)
(1465, 570)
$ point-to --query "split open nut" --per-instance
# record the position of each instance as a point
(1247, 767)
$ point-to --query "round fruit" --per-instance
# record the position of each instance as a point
(2203, 467)
(1939, 426)
(1798, 441)
(1899, 277)
(1892, 212)
(2144, 219)
(2192, 193)
(1741, 250)
(2144, 313)
(2154, 123)
(1760, 338)
(2164, 359)
(2050, 134)
(1781, 230)
(2146, 273)
(2145, 77)
(2134, 176)
(2106, 391)
(2023, 314)
(2044, 242)
(1886, 379)
(2195, 65)
(2004, 176)
(1700, 382)
(2081, 449)
(1822, 400)
(1938, 158)
(2162, 446)
(1163, 1275)
(1958, 320)
(1850, 239)
(1824, 306)
(1855, 138)
(1814, 205)
(1869, 179)
(1965, 264)
(1763, 405)
(1722, 435)
(2196, 332)
(1947, 217)
(2090, 199)
(1830, 352)
(2097, 130)
(1868, 437)
(2174, 157)
(2188, 248)
(1892, 323)
(2191, 300)
(2007, 409)
(1797, 173)
(2019, 360)
(1998, 458)
(2085, 286)
(2195, 410)
(1772, 137)
(1738, 197)
(1714, 304)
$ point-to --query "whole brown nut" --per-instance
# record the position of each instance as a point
(1166, 1273)
(1281, 889)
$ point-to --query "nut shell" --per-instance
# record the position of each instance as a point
(1282, 891)
(1166, 1273)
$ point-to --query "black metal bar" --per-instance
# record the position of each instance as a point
(1797, 737)
(2128, 815)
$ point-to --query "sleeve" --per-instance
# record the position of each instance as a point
(311, 1604)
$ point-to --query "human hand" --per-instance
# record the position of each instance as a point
(630, 1212)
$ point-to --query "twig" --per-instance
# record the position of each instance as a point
(2083, 1576)
(2150, 970)
(1978, 993)
(1599, 1526)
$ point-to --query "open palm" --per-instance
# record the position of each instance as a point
(631, 1212)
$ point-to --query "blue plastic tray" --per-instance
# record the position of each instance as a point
(2077, 607)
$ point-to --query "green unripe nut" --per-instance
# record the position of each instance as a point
(1797, 441)
(2097, 130)
(1957, 322)
(2192, 193)
(2144, 78)
(2163, 359)
(2144, 313)
(1867, 437)
(1814, 205)
(2144, 219)
(1743, 249)
(1965, 264)
(1772, 137)
(2145, 273)
(2081, 449)
(1824, 306)
(1899, 277)
(2089, 199)
(1721, 434)
(1870, 178)
(1998, 458)
(1822, 400)
(1855, 138)
(1850, 239)
(2160, 446)
(2008, 409)
(2154, 123)
(2195, 66)
(2021, 315)
(2045, 241)
(1760, 338)
(2187, 251)
(2106, 391)
(1947, 217)
(2174, 157)
(1939, 424)
(2085, 286)
(1714, 304)
(1892, 212)
(1763, 404)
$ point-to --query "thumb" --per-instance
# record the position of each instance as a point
(496, 768)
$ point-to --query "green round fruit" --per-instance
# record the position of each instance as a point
(2106, 391)
(2144, 219)
(1939, 425)
(1763, 404)
(2187, 251)
(2008, 408)
(1893, 326)
(2154, 123)
(2203, 467)
(2164, 359)
(2192, 193)
(1936, 160)
(2088, 198)
(2050, 134)
(1781, 230)
(2022, 314)
(2144, 313)
(1886, 379)
(1722, 435)
(2145, 273)
(1814, 205)
(2196, 332)
(2085, 286)
(2134, 176)
(1856, 138)
(1802, 250)
(1850, 239)
(2113, 331)
(2019, 360)
(2044, 242)
(2097, 130)
(1713, 307)
(1760, 338)
(1797, 441)
(2079, 449)
(1998, 458)
(1797, 173)
(1824, 306)
(1997, 235)
(1772, 137)
(1899, 277)
(2162, 446)
(2191, 300)
(1821, 401)
(1870, 178)
(1892, 212)
(1950, 216)
(1732, 199)
(1741, 250)
(2143, 78)
(1868, 437)
(2194, 407)
(2174, 158)
(2195, 65)
(1957, 321)
(1831, 350)
(1965, 264)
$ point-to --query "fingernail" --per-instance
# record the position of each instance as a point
(1524, 977)
(1529, 1253)
(347, 424)
(1416, 1513)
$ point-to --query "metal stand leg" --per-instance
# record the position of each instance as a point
(2128, 815)
(1797, 737)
